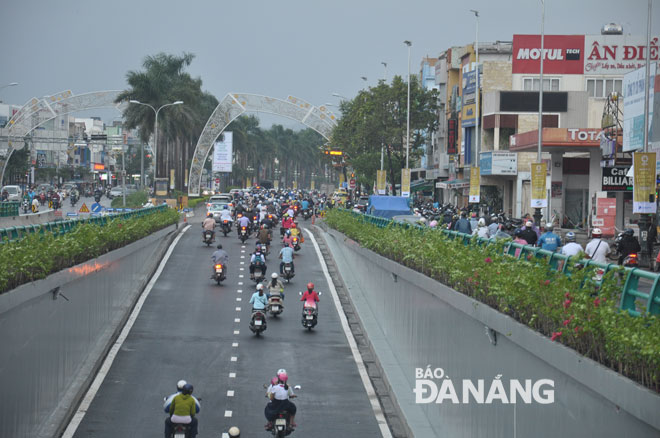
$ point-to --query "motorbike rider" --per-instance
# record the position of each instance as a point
(257, 258)
(597, 249)
(264, 237)
(55, 197)
(259, 300)
(493, 226)
(209, 225)
(279, 395)
(571, 248)
(219, 256)
(288, 239)
(549, 240)
(179, 388)
(462, 225)
(98, 192)
(275, 287)
(225, 215)
(182, 411)
(482, 229)
(528, 233)
(628, 245)
(311, 297)
(244, 221)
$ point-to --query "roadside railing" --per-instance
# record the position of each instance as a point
(630, 292)
(9, 208)
(11, 234)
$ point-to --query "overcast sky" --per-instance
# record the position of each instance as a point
(309, 49)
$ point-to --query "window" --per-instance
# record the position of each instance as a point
(549, 84)
(603, 87)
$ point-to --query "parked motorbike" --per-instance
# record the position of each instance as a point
(288, 272)
(208, 237)
(243, 234)
(275, 306)
(226, 227)
(219, 273)
(258, 322)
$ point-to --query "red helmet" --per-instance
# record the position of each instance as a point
(310, 286)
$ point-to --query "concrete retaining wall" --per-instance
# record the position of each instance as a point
(29, 219)
(413, 321)
(55, 332)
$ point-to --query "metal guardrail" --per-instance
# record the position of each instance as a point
(62, 227)
(558, 262)
(9, 208)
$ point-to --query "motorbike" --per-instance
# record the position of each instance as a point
(307, 214)
(244, 234)
(288, 272)
(42, 198)
(258, 274)
(310, 314)
(275, 306)
(226, 227)
(54, 204)
(208, 237)
(219, 273)
(97, 198)
(631, 260)
(180, 430)
(281, 425)
(73, 199)
(258, 322)
(296, 243)
(26, 206)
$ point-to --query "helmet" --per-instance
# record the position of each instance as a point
(433, 223)
(596, 232)
(529, 224)
(209, 214)
(310, 286)
(628, 232)
(187, 389)
(293, 225)
(482, 222)
(224, 207)
(219, 246)
(473, 214)
(283, 377)
(180, 384)
(280, 371)
(234, 432)
(273, 275)
(288, 232)
(570, 236)
(274, 381)
(549, 227)
(518, 232)
(260, 286)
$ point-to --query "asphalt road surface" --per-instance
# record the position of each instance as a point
(67, 208)
(190, 328)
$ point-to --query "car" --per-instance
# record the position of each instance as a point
(225, 198)
(362, 203)
(234, 191)
(216, 210)
(117, 190)
(15, 192)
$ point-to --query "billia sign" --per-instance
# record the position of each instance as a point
(615, 179)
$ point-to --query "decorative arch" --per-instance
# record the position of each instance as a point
(36, 112)
(234, 104)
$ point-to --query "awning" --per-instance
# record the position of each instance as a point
(453, 184)
(421, 184)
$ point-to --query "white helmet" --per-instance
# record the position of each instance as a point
(482, 222)
(273, 275)
(596, 232)
(260, 286)
(180, 384)
(281, 371)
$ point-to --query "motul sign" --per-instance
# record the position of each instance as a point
(562, 54)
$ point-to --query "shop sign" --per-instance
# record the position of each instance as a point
(616, 54)
(452, 126)
(562, 54)
(615, 179)
(539, 173)
(644, 182)
(498, 163)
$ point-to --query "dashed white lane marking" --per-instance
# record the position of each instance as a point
(237, 319)
(243, 246)
(242, 263)
(239, 290)
(240, 283)
(241, 269)
(238, 309)
(239, 299)
(237, 332)
(107, 363)
(357, 357)
(240, 275)
(230, 393)
(227, 414)
(232, 375)
(234, 344)
(225, 435)
(242, 257)
(243, 250)
(234, 358)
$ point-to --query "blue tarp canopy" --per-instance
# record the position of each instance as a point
(387, 206)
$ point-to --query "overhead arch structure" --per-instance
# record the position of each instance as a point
(234, 104)
(36, 112)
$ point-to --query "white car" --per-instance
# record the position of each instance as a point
(15, 192)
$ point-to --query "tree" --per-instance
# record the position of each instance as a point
(377, 117)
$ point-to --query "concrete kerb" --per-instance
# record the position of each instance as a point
(396, 419)
(619, 390)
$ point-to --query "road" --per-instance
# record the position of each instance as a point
(190, 328)
(67, 208)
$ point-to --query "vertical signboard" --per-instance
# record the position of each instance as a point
(295, 185)
(539, 198)
(475, 185)
(405, 182)
(644, 182)
(222, 153)
(276, 184)
(634, 87)
(311, 185)
(380, 182)
(452, 135)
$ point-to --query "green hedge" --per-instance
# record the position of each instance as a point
(39, 255)
(134, 200)
(192, 202)
(568, 309)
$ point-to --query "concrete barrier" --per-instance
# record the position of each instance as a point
(414, 323)
(30, 219)
(55, 332)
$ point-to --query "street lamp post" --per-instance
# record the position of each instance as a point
(476, 48)
(155, 148)
(537, 210)
(385, 66)
(408, 43)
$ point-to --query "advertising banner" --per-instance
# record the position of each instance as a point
(498, 163)
(475, 185)
(311, 185)
(405, 182)
(633, 107)
(644, 182)
(222, 153)
(539, 197)
(452, 135)
(468, 109)
(616, 54)
(562, 54)
(380, 181)
(276, 184)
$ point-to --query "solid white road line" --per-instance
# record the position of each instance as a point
(107, 363)
(371, 393)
